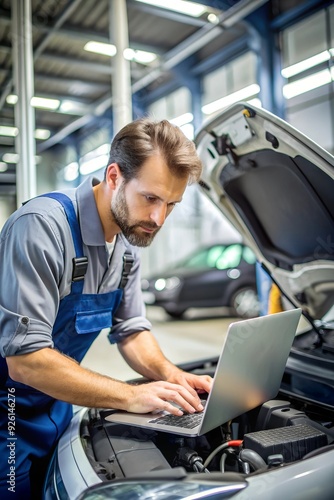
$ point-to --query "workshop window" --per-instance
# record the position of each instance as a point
(175, 107)
(307, 66)
(230, 83)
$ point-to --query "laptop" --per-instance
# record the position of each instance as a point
(249, 372)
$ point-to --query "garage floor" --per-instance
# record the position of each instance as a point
(198, 336)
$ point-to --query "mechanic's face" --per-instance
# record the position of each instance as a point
(141, 206)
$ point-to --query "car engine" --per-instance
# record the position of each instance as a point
(276, 434)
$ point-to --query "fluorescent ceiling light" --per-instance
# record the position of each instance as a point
(8, 131)
(182, 119)
(239, 95)
(10, 157)
(45, 103)
(188, 130)
(185, 7)
(67, 106)
(13, 131)
(255, 102)
(71, 171)
(94, 160)
(73, 107)
(90, 166)
(106, 49)
(3, 166)
(306, 84)
(213, 18)
(100, 150)
(14, 158)
(42, 133)
(297, 68)
(139, 56)
(11, 99)
(36, 102)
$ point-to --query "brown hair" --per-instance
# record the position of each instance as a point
(143, 138)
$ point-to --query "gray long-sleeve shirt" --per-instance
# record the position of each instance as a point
(36, 252)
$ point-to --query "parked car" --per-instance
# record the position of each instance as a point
(220, 275)
(276, 187)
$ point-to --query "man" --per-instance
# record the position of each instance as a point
(69, 267)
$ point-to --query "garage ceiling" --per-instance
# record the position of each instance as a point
(63, 70)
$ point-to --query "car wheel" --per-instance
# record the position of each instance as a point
(175, 314)
(245, 303)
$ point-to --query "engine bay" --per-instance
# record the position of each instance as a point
(276, 434)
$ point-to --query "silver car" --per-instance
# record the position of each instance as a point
(277, 188)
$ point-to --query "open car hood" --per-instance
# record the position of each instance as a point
(276, 187)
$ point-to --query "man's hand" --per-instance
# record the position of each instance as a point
(143, 354)
(160, 396)
(194, 383)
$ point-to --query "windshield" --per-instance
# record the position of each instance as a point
(220, 257)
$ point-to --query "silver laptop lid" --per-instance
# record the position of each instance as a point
(251, 366)
(249, 372)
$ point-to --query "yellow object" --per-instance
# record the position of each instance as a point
(275, 301)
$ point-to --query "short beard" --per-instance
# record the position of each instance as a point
(121, 214)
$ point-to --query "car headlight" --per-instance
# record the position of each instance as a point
(233, 274)
(167, 284)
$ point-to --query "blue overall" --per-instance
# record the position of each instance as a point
(31, 422)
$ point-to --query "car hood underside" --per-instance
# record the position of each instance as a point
(276, 187)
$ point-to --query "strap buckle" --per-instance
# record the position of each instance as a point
(128, 261)
(80, 265)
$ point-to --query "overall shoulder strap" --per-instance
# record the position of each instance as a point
(80, 262)
(128, 261)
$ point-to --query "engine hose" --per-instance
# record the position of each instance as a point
(253, 458)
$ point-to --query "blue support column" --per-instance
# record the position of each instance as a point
(264, 43)
(187, 78)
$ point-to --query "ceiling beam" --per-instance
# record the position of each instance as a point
(71, 6)
(71, 81)
(90, 66)
(72, 31)
(7, 141)
(97, 109)
(186, 48)
(201, 37)
(222, 57)
(8, 178)
(285, 19)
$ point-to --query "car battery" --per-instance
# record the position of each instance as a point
(292, 442)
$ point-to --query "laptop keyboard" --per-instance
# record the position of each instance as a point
(187, 421)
